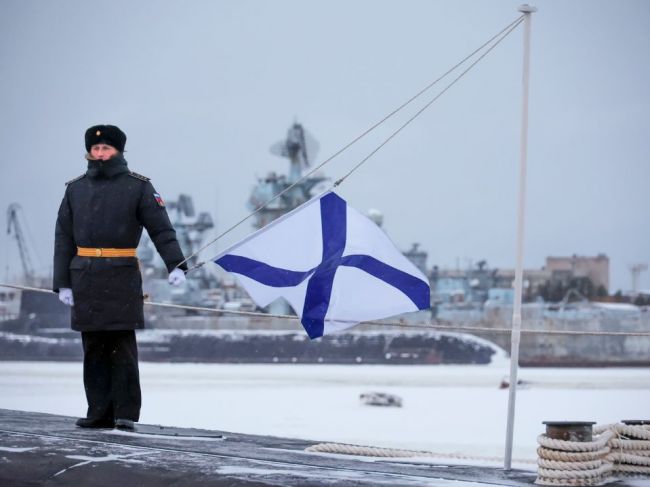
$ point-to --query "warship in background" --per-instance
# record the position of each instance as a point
(476, 297)
(484, 297)
(175, 334)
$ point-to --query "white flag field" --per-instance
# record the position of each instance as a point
(334, 266)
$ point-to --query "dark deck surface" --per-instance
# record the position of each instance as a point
(44, 449)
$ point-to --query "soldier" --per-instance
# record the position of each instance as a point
(96, 272)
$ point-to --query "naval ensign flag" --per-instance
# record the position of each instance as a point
(334, 266)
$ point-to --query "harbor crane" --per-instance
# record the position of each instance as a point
(13, 222)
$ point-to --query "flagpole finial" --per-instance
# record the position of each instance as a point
(527, 9)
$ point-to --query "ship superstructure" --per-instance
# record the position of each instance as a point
(300, 147)
(201, 287)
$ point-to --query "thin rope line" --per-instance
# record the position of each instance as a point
(419, 112)
(377, 451)
(508, 28)
(438, 324)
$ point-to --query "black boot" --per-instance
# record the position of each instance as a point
(95, 423)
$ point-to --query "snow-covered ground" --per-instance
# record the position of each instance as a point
(447, 409)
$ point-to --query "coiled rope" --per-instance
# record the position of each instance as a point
(618, 449)
(373, 451)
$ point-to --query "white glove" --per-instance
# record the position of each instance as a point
(65, 296)
(176, 277)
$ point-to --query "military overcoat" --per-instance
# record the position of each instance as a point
(108, 207)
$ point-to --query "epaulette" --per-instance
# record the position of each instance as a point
(139, 176)
(76, 179)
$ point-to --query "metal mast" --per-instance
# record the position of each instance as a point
(527, 10)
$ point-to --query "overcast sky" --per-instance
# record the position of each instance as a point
(204, 88)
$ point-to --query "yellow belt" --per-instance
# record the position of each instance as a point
(90, 252)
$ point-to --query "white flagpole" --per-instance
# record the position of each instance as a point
(527, 10)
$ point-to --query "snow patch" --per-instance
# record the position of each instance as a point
(343, 475)
(16, 450)
(86, 460)
(164, 437)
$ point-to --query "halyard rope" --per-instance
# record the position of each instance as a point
(437, 325)
(419, 112)
(502, 34)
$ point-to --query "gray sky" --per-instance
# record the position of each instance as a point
(204, 88)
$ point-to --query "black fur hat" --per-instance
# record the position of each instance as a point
(105, 134)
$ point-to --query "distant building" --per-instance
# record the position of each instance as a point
(563, 269)
(477, 284)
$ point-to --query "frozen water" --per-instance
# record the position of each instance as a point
(453, 410)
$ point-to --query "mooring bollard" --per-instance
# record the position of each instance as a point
(570, 430)
(569, 455)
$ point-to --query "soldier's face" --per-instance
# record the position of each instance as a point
(102, 152)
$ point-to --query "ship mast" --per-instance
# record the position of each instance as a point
(300, 147)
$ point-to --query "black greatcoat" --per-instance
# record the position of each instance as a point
(107, 208)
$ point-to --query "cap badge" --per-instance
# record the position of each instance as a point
(98, 133)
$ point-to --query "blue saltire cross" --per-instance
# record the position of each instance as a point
(321, 277)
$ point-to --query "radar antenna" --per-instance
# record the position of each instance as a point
(300, 147)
